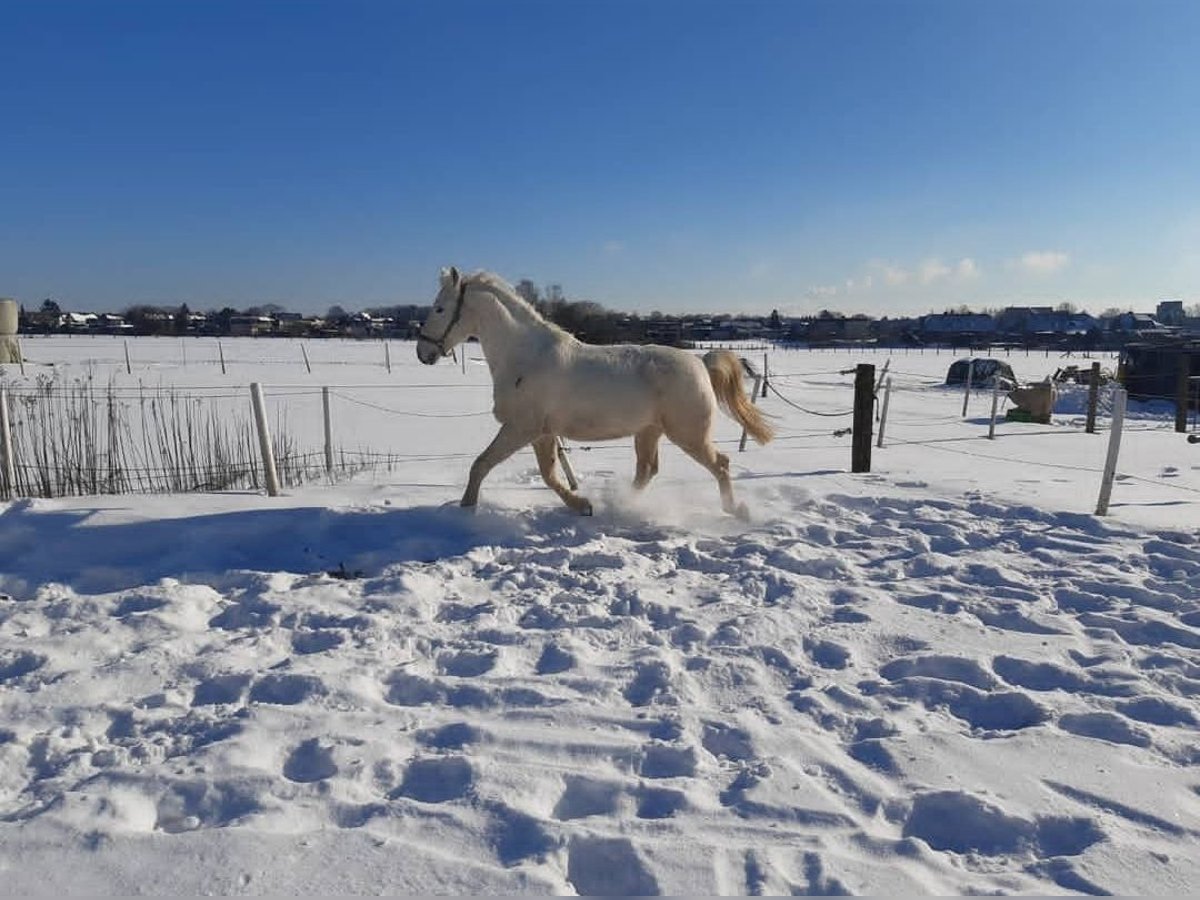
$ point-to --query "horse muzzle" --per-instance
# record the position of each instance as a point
(428, 351)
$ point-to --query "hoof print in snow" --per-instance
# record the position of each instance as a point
(664, 761)
(286, 690)
(310, 762)
(608, 867)
(436, 780)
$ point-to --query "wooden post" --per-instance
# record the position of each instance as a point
(1181, 391)
(995, 403)
(464, 365)
(864, 401)
(221, 353)
(264, 440)
(328, 432)
(967, 393)
(764, 377)
(183, 351)
(305, 353)
(887, 398)
(387, 357)
(565, 462)
(6, 447)
(1114, 448)
(128, 367)
(1093, 397)
(20, 356)
(758, 380)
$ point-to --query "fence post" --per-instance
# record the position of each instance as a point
(328, 432)
(967, 393)
(128, 367)
(887, 398)
(879, 384)
(1093, 397)
(20, 356)
(995, 403)
(221, 353)
(6, 446)
(764, 377)
(864, 401)
(1181, 391)
(387, 357)
(464, 365)
(304, 353)
(565, 462)
(758, 380)
(264, 440)
(1114, 448)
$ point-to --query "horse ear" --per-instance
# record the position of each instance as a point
(450, 276)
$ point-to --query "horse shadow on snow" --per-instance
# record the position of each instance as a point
(63, 547)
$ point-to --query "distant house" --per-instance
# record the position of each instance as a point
(1060, 322)
(1170, 312)
(78, 322)
(250, 326)
(1014, 321)
(111, 323)
(1134, 323)
(957, 327)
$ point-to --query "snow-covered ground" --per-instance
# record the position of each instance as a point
(944, 676)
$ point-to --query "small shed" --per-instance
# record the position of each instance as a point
(984, 372)
(1151, 368)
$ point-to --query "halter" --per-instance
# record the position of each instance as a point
(440, 343)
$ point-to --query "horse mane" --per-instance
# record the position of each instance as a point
(520, 308)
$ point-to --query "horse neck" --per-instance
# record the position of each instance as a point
(504, 336)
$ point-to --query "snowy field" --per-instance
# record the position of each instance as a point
(944, 676)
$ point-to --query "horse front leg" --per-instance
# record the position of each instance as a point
(506, 442)
(546, 448)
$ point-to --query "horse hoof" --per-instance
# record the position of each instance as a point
(742, 512)
(586, 509)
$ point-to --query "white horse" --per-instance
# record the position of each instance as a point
(547, 384)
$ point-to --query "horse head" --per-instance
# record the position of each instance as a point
(438, 335)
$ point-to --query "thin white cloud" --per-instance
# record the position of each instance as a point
(966, 269)
(1042, 262)
(818, 291)
(931, 270)
(893, 276)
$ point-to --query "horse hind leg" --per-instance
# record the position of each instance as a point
(546, 450)
(645, 444)
(717, 463)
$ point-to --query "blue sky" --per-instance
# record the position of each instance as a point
(885, 157)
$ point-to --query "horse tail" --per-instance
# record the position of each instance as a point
(725, 373)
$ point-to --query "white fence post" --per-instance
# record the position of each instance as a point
(758, 381)
(6, 446)
(328, 432)
(887, 398)
(566, 464)
(264, 440)
(995, 403)
(1114, 448)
